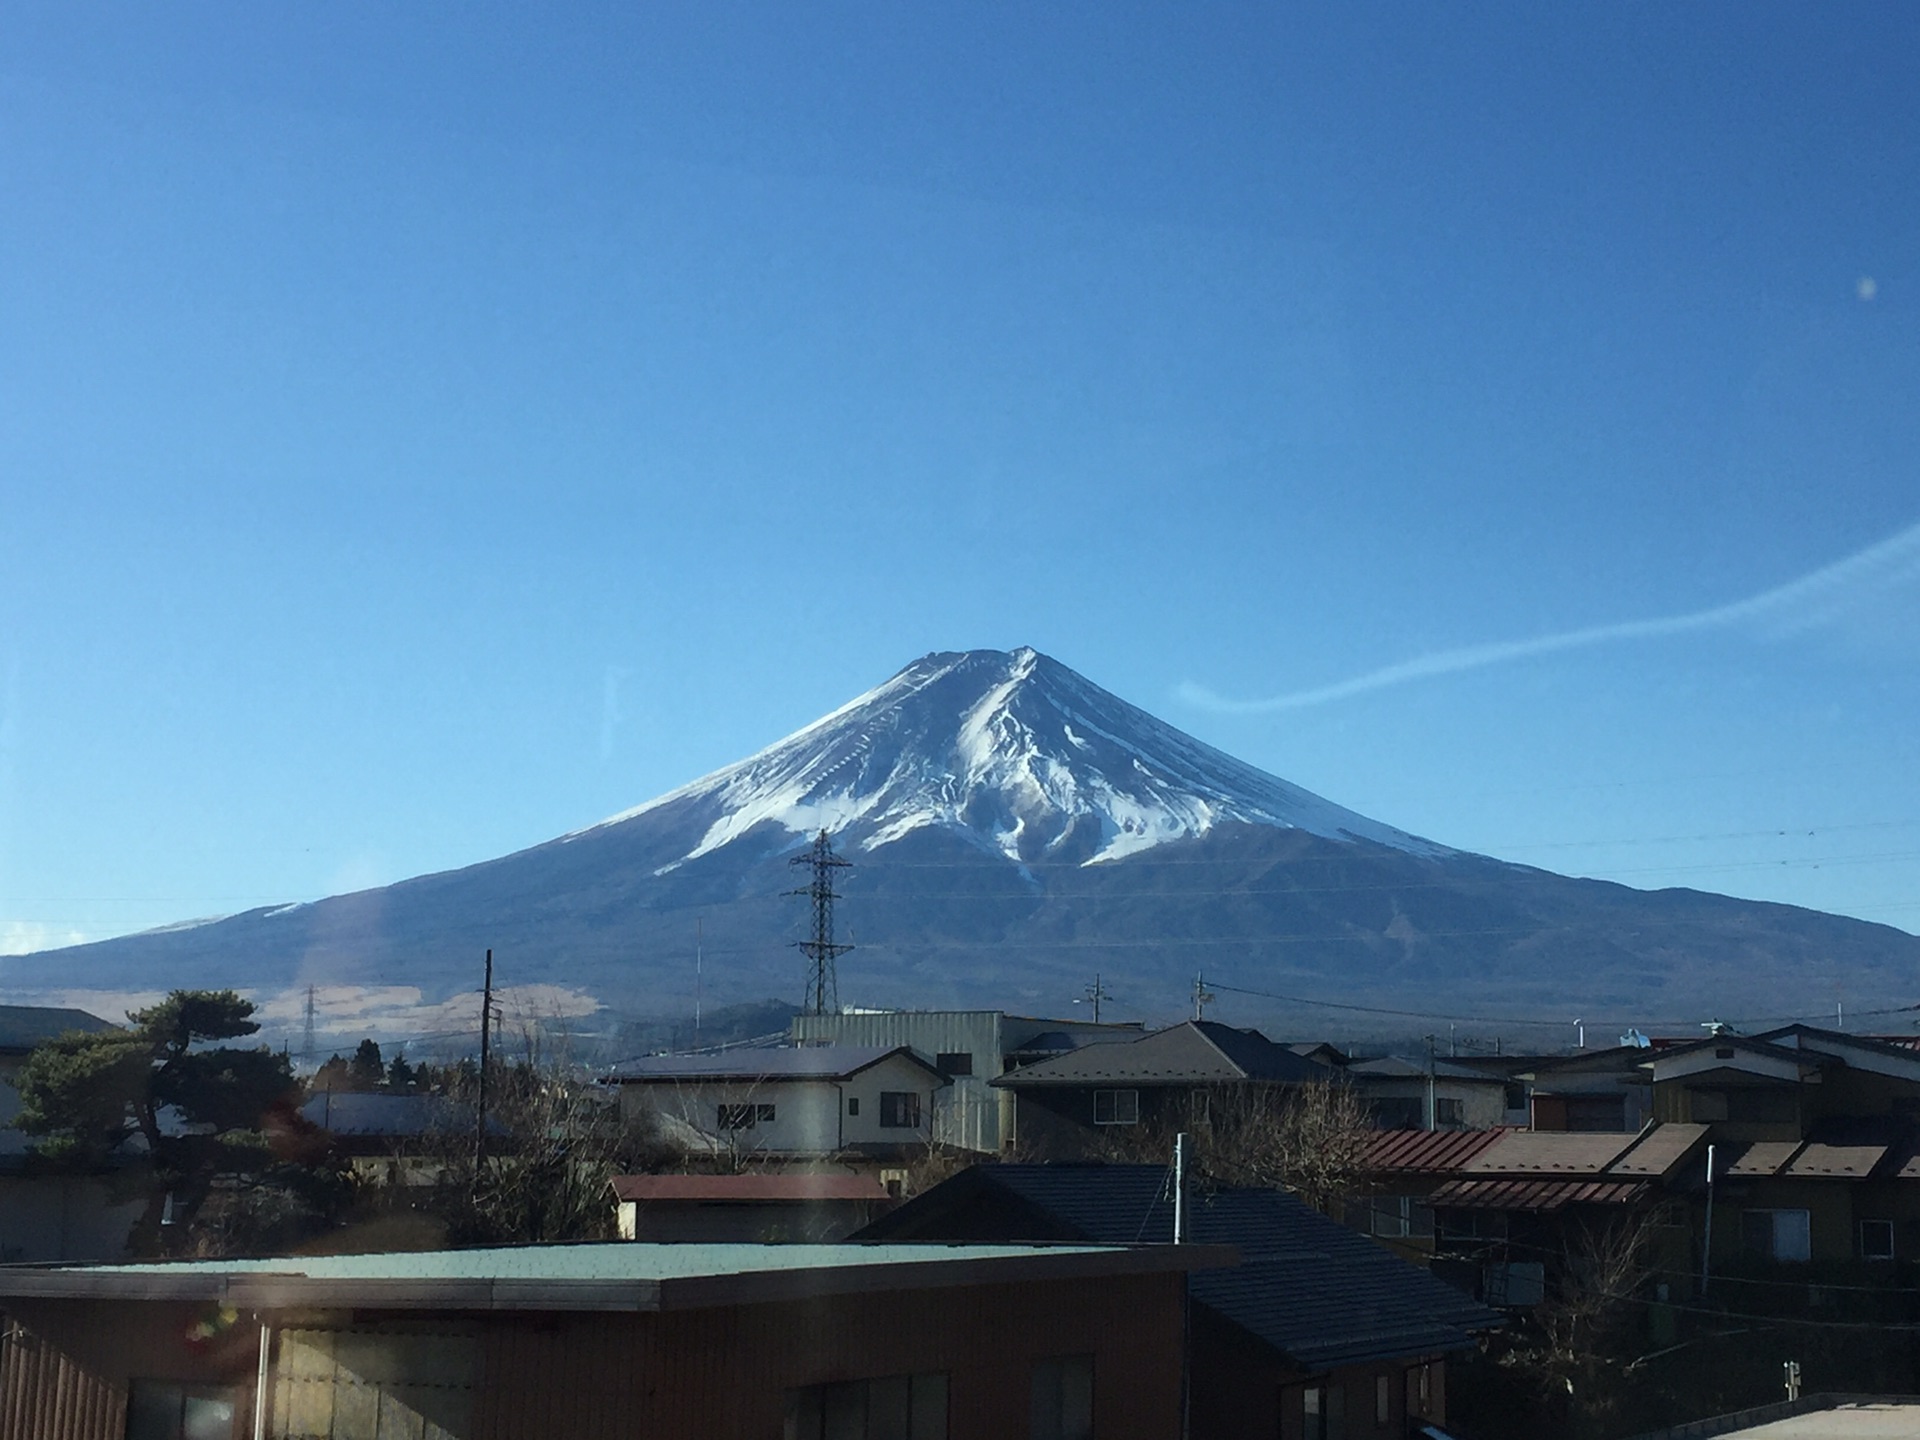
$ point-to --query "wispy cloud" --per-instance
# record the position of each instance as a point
(24, 937)
(385, 1012)
(1797, 605)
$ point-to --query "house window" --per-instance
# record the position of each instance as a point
(1400, 1113)
(1476, 1224)
(1876, 1240)
(1514, 1097)
(1116, 1107)
(1323, 1412)
(1596, 1112)
(1704, 1106)
(1762, 1107)
(1060, 1405)
(738, 1117)
(899, 1110)
(892, 1407)
(1420, 1390)
(1452, 1113)
(955, 1062)
(1783, 1235)
(163, 1410)
(1382, 1401)
(1399, 1217)
(763, 1113)
(853, 1104)
(1201, 1107)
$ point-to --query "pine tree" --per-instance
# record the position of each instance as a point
(190, 1108)
(367, 1068)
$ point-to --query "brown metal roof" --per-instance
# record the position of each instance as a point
(1762, 1159)
(1536, 1195)
(1839, 1162)
(789, 1187)
(1659, 1150)
(1433, 1151)
(1549, 1152)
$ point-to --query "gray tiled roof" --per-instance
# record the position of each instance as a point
(350, 1113)
(24, 1026)
(1319, 1293)
(1197, 1052)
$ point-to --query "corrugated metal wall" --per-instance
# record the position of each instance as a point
(45, 1394)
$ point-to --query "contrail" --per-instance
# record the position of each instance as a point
(1793, 606)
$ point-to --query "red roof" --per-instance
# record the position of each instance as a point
(1427, 1150)
(788, 1187)
(1533, 1194)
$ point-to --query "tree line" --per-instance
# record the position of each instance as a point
(204, 1132)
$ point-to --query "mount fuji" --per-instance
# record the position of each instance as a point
(1014, 830)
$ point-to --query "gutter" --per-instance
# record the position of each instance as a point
(264, 1291)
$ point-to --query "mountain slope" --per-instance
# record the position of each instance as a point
(1014, 750)
(1015, 829)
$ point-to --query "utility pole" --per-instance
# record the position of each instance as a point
(1095, 993)
(1433, 1119)
(1182, 1146)
(307, 1052)
(699, 947)
(486, 1055)
(1202, 997)
(1706, 1244)
(823, 989)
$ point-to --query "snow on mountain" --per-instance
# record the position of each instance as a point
(1013, 750)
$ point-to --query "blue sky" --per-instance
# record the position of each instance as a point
(427, 429)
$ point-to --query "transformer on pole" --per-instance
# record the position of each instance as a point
(823, 996)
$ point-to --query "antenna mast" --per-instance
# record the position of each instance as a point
(823, 990)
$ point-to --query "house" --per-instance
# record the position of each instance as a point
(400, 1139)
(769, 1206)
(971, 1048)
(1407, 1094)
(48, 1213)
(1317, 1332)
(1503, 1213)
(1403, 1169)
(1608, 1090)
(1169, 1079)
(599, 1341)
(871, 1102)
(1816, 1139)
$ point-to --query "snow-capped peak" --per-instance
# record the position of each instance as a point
(1016, 751)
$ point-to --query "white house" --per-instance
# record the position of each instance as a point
(971, 1048)
(848, 1100)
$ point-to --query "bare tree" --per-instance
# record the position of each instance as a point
(1573, 1350)
(553, 1141)
(1309, 1140)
